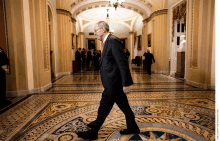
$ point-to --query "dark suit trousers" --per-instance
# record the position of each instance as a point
(79, 64)
(106, 105)
(2, 87)
(148, 68)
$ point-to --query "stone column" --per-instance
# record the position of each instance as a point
(199, 42)
(145, 36)
(159, 40)
(64, 41)
(21, 79)
(81, 40)
(131, 38)
(74, 38)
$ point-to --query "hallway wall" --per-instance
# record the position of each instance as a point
(29, 45)
(213, 58)
(200, 43)
(149, 32)
(64, 41)
(138, 28)
(158, 21)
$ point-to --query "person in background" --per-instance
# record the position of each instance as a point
(96, 59)
(127, 53)
(89, 58)
(93, 57)
(3, 70)
(116, 79)
(149, 59)
(83, 56)
(78, 58)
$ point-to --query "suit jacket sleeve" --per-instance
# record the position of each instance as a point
(3, 58)
(153, 58)
(122, 62)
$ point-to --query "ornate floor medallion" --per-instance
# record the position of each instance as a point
(156, 134)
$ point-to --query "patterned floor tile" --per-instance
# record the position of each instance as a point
(166, 109)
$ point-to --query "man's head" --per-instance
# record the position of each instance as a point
(79, 49)
(148, 51)
(101, 29)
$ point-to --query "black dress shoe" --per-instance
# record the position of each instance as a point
(130, 131)
(88, 135)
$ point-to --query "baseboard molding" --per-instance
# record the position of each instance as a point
(200, 85)
(212, 87)
(48, 86)
(172, 73)
(160, 72)
(61, 74)
(27, 92)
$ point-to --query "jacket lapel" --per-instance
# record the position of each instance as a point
(104, 49)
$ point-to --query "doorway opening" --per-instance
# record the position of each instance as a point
(51, 45)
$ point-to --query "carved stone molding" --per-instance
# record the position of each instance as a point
(67, 13)
(73, 19)
(81, 33)
(154, 14)
(106, 4)
(64, 12)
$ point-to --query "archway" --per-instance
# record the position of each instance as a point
(178, 29)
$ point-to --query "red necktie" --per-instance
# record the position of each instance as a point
(103, 44)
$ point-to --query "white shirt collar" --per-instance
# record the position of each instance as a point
(105, 37)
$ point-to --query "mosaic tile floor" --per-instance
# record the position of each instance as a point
(166, 109)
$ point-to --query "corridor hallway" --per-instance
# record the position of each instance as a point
(166, 109)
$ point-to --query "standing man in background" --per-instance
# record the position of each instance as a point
(116, 79)
(78, 58)
(127, 53)
(89, 58)
(83, 56)
(149, 59)
(3, 70)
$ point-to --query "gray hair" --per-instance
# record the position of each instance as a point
(102, 24)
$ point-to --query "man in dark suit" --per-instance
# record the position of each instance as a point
(116, 79)
(3, 70)
(89, 58)
(83, 56)
(149, 59)
(78, 58)
(127, 53)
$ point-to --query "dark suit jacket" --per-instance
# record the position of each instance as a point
(3, 60)
(83, 55)
(78, 56)
(127, 53)
(114, 68)
(149, 58)
(89, 56)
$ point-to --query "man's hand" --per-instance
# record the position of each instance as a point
(5, 69)
(126, 89)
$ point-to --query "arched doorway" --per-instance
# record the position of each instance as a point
(178, 29)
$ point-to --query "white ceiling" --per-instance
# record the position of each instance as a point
(97, 14)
